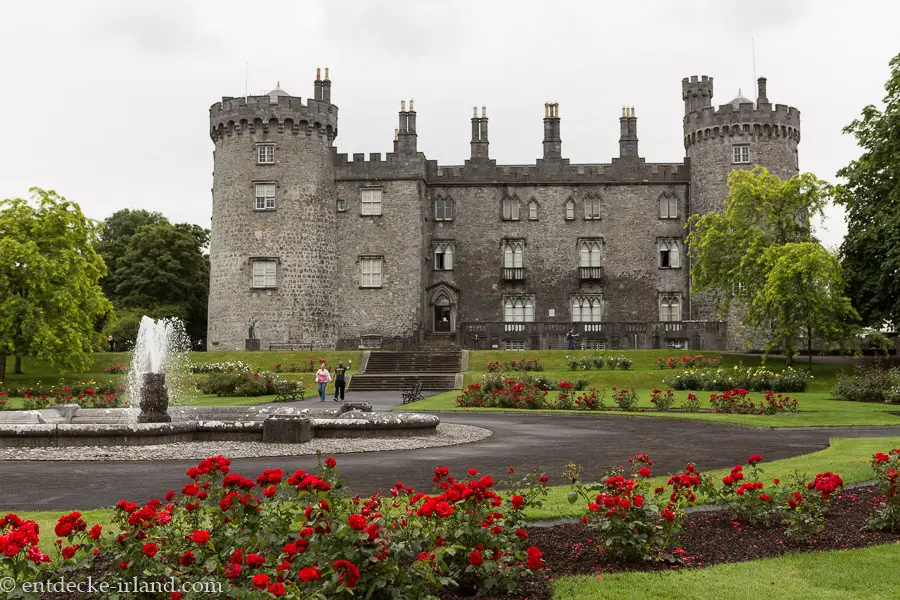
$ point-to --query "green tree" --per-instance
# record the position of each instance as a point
(871, 250)
(743, 256)
(117, 231)
(50, 297)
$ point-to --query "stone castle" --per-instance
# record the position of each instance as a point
(319, 250)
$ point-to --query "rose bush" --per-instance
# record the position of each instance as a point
(737, 401)
(684, 362)
(887, 472)
(663, 401)
(754, 380)
(804, 505)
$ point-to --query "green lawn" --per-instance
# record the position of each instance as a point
(870, 573)
(848, 457)
(817, 409)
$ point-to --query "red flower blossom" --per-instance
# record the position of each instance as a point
(330, 463)
(308, 574)
(348, 573)
(755, 459)
(261, 581)
(150, 549)
(475, 558)
(517, 502)
(357, 522)
(255, 560)
(277, 589)
(199, 536)
(187, 559)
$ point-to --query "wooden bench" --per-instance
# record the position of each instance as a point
(412, 392)
(289, 392)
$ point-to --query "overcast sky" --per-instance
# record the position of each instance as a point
(108, 102)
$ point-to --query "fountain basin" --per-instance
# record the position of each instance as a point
(119, 427)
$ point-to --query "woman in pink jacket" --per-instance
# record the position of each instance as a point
(322, 379)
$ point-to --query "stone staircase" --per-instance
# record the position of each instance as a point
(436, 371)
(439, 343)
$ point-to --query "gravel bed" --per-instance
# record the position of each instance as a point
(447, 435)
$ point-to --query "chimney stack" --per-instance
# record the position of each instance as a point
(479, 142)
(628, 140)
(552, 141)
(406, 134)
(761, 97)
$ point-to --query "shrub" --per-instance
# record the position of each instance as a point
(887, 471)
(565, 399)
(737, 401)
(803, 505)
(868, 384)
(521, 395)
(475, 395)
(625, 363)
(743, 494)
(116, 369)
(4, 403)
(662, 401)
(634, 522)
(691, 403)
(591, 400)
(581, 384)
(220, 367)
(625, 399)
(528, 364)
(240, 383)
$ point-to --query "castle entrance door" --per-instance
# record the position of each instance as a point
(443, 315)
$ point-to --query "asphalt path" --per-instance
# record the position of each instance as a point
(525, 441)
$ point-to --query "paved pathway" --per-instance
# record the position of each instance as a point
(525, 441)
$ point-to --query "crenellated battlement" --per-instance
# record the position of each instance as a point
(568, 173)
(746, 119)
(234, 116)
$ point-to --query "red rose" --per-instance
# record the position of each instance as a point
(199, 536)
(475, 558)
(517, 502)
(765, 497)
(150, 549)
(261, 581)
(357, 522)
(644, 472)
(175, 596)
(348, 573)
(534, 562)
(95, 532)
(187, 559)
(308, 574)
(638, 501)
(330, 463)
(255, 560)
(728, 480)
(756, 458)
(277, 589)
(68, 552)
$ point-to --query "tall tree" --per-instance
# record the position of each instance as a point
(745, 254)
(871, 249)
(50, 297)
(117, 231)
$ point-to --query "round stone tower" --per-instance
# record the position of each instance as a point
(273, 246)
(738, 135)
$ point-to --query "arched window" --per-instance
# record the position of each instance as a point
(443, 209)
(668, 206)
(570, 209)
(518, 309)
(669, 254)
(513, 254)
(587, 309)
(443, 256)
(533, 210)
(592, 207)
(669, 308)
(511, 209)
(589, 253)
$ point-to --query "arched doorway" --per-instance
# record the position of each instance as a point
(443, 314)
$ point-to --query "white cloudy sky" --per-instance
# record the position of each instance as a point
(107, 101)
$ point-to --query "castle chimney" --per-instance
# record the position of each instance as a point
(326, 87)
(761, 91)
(552, 141)
(628, 141)
(396, 140)
(479, 134)
(406, 133)
(317, 85)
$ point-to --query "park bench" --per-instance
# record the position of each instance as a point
(289, 392)
(412, 392)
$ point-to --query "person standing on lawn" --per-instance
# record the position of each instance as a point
(322, 379)
(340, 383)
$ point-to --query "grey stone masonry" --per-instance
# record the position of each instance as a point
(380, 250)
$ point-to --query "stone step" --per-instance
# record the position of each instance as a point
(431, 382)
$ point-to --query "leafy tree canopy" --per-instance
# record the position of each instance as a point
(51, 299)
(760, 253)
(871, 250)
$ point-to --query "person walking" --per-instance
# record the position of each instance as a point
(570, 339)
(340, 383)
(322, 379)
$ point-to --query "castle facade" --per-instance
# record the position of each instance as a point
(326, 251)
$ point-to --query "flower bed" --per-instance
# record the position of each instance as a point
(528, 364)
(688, 362)
(116, 369)
(219, 367)
(869, 384)
(598, 361)
(754, 380)
(737, 401)
(244, 383)
(300, 536)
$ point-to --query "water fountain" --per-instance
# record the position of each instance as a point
(161, 349)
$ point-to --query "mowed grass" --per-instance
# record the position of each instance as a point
(848, 457)
(817, 409)
(870, 573)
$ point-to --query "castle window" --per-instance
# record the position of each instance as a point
(589, 253)
(533, 210)
(511, 209)
(370, 204)
(370, 342)
(518, 309)
(443, 256)
(570, 210)
(592, 207)
(265, 154)
(370, 271)
(341, 205)
(669, 307)
(264, 273)
(669, 254)
(443, 209)
(513, 254)
(668, 206)
(265, 196)
(587, 309)
(741, 153)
